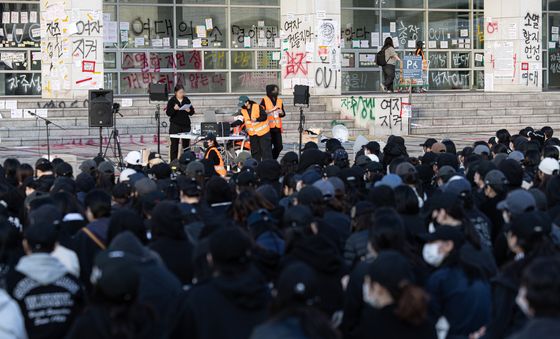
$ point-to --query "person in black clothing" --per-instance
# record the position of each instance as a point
(539, 298)
(114, 311)
(179, 119)
(170, 241)
(397, 307)
(233, 302)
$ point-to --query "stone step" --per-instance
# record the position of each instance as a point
(484, 112)
(480, 104)
(470, 129)
(487, 120)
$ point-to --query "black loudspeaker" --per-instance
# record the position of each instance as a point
(158, 92)
(100, 108)
(301, 95)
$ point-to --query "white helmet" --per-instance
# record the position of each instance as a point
(340, 132)
(125, 174)
(133, 158)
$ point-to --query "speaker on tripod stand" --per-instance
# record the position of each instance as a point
(102, 113)
(301, 99)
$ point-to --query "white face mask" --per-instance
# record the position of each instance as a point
(521, 301)
(431, 254)
(368, 298)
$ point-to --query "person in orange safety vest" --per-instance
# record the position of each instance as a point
(213, 156)
(274, 108)
(257, 126)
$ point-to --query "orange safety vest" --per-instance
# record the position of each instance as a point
(254, 127)
(273, 122)
(219, 168)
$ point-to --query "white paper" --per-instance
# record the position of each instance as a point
(197, 43)
(185, 107)
(276, 42)
(374, 39)
(182, 42)
(551, 44)
(2, 104)
(554, 37)
(15, 17)
(464, 33)
(554, 30)
(247, 42)
(488, 82)
(166, 42)
(110, 32)
(201, 31)
(355, 43)
(209, 24)
(41, 112)
(5, 17)
(321, 14)
(478, 57)
(139, 41)
(275, 56)
(16, 114)
(461, 45)
(309, 57)
(467, 46)
(262, 34)
(364, 44)
(454, 42)
(124, 26)
(309, 48)
(261, 42)
(24, 17)
(11, 104)
(126, 102)
(393, 27)
(396, 42)
(432, 44)
(261, 23)
(512, 31)
(32, 17)
(157, 43)
(443, 44)
(411, 44)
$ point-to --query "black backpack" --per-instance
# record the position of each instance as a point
(380, 58)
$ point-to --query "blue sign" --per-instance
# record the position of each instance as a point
(412, 67)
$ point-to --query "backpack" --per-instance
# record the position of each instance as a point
(380, 58)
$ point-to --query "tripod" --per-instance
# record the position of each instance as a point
(47, 123)
(301, 128)
(158, 118)
(113, 138)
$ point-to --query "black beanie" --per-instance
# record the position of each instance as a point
(513, 172)
(230, 246)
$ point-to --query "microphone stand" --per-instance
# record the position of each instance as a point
(47, 123)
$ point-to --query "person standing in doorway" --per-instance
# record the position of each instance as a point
(256, 123)
(274, 107)
(391, 58)
(179, 110)
(420, 52)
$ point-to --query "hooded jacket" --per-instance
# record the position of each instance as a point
(86, 248)
(12, 324)
(159, 288)
(321, 254)
(48, 296)
(226, 307)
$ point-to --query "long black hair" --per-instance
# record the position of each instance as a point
(388, 42)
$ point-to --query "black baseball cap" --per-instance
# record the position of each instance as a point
(447, 233)
(189, 186)
(41, 236)
(391, 269)
(429, 142)
(529, 225)
(115, 274)
(64, 169)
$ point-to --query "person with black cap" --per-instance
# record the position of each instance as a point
(47, 294)
(179, 110)
(427, 145)
(256, 123)
(92, 238)
(213, 156)
(539, 299)
(292, 311)
(115, 311)
(170, 240)
(396, 306)
(233, 302)
(529, 238)
(274, 107)
(459, 287)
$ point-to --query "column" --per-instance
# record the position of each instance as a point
(513, 46)
(310, 35)
(71, 47)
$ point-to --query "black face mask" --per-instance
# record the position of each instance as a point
(274, 94)
(205, 144)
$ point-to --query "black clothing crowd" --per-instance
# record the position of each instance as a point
(451, 244)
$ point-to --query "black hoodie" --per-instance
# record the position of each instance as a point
(159, 288)
(321, 254)
(226, 307)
